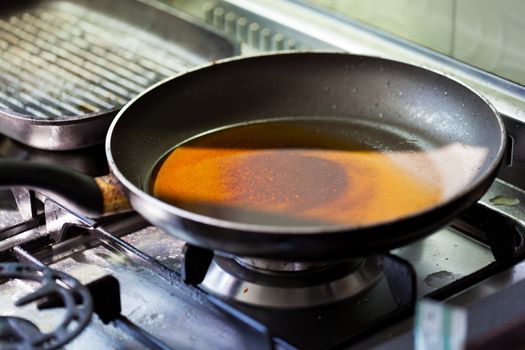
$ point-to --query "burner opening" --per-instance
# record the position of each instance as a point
(281, 267)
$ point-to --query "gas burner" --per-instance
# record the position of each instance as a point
(17, 333)
(284, 285)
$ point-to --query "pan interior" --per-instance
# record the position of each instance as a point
(308, 171)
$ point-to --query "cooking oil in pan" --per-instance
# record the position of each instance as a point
(303, 171)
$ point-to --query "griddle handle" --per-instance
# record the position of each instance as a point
(73, 190)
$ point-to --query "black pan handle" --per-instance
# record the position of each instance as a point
(73, 190)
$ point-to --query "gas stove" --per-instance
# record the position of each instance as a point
(181, 296)
(173, 295)
(126, 284)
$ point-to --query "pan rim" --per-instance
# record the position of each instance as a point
(62, 120)
(297, 230)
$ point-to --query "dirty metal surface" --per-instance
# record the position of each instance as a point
(172, 314)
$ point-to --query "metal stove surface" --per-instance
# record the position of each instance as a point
(465, 263)
(183, 318)
(172, 314)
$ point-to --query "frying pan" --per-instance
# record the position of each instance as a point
(420, 105)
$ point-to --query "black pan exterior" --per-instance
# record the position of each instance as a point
(424, 104)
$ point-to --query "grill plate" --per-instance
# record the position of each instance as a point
(75, 63)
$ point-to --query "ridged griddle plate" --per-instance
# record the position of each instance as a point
(65, 61)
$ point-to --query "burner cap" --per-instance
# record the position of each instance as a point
(231, 279)
(17, 333)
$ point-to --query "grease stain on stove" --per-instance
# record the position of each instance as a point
(506, 201)
(440, 278)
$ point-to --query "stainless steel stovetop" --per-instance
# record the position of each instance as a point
(476, 262)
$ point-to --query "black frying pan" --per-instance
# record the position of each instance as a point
(420, 105)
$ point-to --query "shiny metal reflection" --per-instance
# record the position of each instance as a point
(225, 280)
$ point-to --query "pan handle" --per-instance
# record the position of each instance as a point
(76, 191)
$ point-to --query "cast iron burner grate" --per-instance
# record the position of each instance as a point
(59, 290)
(17, 333)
